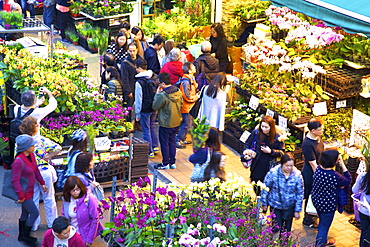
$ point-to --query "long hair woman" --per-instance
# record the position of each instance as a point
(362, 186)
(213, 104)
(265, 143)
(215, 168)
(219, 45)
(285, 196)
(81, 207)
(119, 48)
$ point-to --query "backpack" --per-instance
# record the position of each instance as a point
(149, 87)
(202, 79)
(16, 122)
(179, 82)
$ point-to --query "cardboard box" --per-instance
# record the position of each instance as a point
(35, 46)
(261, 31)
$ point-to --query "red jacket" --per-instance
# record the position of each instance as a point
(75, 241)
(174, 69)
(30, 171)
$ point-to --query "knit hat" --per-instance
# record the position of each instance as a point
(79, 135)
(175, 54)
(24, 142)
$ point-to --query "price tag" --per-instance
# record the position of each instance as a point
(341, 104)
(270, 113)
(102, 143)
(320, 109)
(244, 136)
(283, 122)
(253, 102)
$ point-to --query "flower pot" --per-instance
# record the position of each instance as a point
(7, 26)
(93, 50)
(75, 43)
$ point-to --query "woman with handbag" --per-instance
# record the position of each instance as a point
(326, 183)
(201, 158)
(285, 196)
(266, 144)
(362, 186)
(81, 207)
(25, 166)
(85, 172)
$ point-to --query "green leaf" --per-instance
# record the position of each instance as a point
(3, 65)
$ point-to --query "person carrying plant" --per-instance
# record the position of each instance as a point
(188, 87)
(168, 103)
(151, 55)
(145, 87)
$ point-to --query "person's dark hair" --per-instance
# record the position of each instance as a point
(213, 140)
(286, 157)
(141, 63)
(168, 46)
(126, 25)
(125, 46)
(219, 30)
(214, 165)
(28, 98)
(29, 126)
(218, 82)
(186, 67)
(329, 158)
(114, 74)
(271, 122)
(108, 59)
(135, 30)
(60, 224)
(83, 162)
(365, 184)
(165, 78)
(158, 39)
(314, 123)
(132, 44)
(76, 145)
(70, 184)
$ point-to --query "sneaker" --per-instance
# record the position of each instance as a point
(161, 166)
(173, 166)
(186, 142)
(331, 242)
(180, 145)
(312, 226)
(156, 150)
(66, 41)
(151, 155)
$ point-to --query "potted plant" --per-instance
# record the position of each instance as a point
(290, 144)
(199, 133)
(75, 9)
(73, 37)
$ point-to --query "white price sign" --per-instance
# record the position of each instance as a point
(270, 113)
(320, 109)
(283, 122)
(341, 103)
(102, 143)
(253, 102)
(244, 137)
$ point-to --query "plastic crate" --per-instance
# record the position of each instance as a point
(110, 168)
(230, 140)
(13, 93)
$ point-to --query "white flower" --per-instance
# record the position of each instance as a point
(219, 228)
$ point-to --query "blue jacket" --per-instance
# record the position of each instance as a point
(150, 55)
(284, 192)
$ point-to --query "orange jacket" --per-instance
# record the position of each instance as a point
(188, 89)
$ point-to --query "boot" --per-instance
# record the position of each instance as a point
(21, 224)
(25, 237)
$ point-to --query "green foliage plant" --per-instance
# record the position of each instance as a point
(199, 132)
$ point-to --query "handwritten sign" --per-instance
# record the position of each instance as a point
(283, 122)
(244, 137)
(102, 143)
(253, 102)
(270, 113)
(320, 109)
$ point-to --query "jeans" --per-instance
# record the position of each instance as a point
(365, 230)
(167, 138)
(49, 15)
(147, 121)
(284, 225)
(184, 127)
(29, 212)
(24, 6)
(325, 222)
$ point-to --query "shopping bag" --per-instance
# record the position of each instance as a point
(8, 189)
(310, 209)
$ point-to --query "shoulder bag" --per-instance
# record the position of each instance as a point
(197, 175)
(8, 189)
(195, 109)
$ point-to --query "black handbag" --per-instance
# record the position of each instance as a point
(195, 109)
(8, 189)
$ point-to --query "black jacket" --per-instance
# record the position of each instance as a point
(211, 65)
(219, 47)
(128, 72)
(150, 55)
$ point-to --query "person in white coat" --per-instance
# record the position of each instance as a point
(213, 104)
(45, 149)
